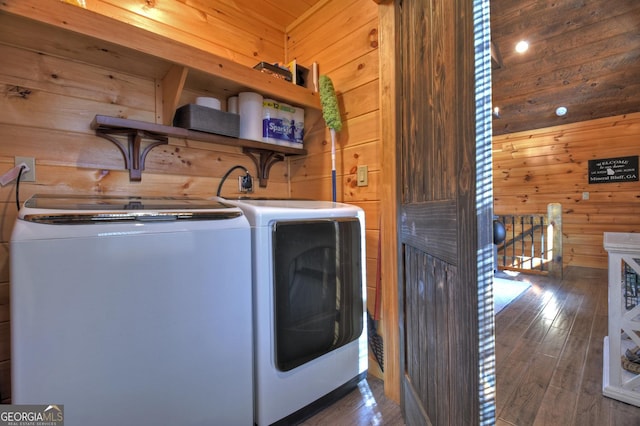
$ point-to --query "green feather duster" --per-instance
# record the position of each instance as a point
(329, 101)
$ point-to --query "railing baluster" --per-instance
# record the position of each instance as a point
(504, 246)
(542, 240)
(533, 239)
(522, 242)
(513, 239)
(532, 235)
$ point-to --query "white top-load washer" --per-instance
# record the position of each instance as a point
(132, 311)
(309, 305)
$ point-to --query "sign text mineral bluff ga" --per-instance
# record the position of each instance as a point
(609, 170)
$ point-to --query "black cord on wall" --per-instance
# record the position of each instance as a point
(226, 175)
(18, 187)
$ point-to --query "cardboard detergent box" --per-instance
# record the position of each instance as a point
(274, 70)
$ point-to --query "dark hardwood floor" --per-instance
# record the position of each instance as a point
(549, 355)
(364, 406)
(548, 362)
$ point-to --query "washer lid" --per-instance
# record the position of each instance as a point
(83, 209)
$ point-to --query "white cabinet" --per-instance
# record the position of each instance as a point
(624, 316)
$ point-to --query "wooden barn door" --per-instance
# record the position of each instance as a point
(444, 218)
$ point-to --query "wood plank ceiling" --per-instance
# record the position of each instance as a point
(583, 55)
(280, 12)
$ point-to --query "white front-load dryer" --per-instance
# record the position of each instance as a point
(309, 287)
(132, 311)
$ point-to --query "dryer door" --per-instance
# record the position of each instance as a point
(318, 288)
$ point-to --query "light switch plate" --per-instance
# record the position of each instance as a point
(363, 176)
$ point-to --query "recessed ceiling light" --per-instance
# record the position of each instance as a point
(561, 111)
(522, 46)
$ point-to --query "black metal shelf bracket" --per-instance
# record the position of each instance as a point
(263, 159)
(135, 151)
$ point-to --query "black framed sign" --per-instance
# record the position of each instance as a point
(609, 170)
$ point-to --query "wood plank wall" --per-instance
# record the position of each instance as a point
(534, 168)
(47, 104)
(51, 124)
(342, 37)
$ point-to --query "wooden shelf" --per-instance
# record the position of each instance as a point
(58, 29)
(143, 136)
(106, 122)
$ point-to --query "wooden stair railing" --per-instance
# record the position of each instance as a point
(533, 242)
